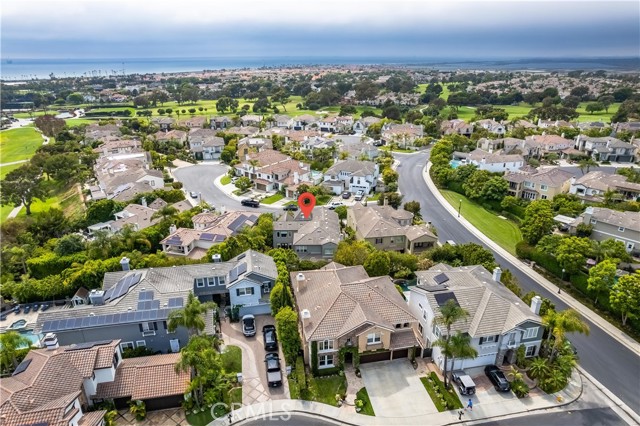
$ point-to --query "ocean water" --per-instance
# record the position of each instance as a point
(20, 69)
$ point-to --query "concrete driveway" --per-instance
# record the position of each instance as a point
(255, 388)
(395, 389)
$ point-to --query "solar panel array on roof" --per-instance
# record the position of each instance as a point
(207, 236)
(217, 238)
(174, 240)
(122, 286)
(108, 319)
(233, 275)
(21, 367)
(242, 268)
(238, 223)
(441, 278)
(87, 345)
(443, 298)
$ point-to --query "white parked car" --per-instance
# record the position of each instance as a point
(359, 195)
(335, 204)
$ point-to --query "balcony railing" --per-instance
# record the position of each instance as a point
(511, 344)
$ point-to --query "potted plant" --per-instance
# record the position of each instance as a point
(358, 372)
(359, 404)
(339, 400)
(138, 409)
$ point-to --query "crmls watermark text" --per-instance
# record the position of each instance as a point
(264, 412)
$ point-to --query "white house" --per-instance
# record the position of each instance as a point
(498, 321)
(352, 176)
(495, 162)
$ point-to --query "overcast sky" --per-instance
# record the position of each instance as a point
(336, 28)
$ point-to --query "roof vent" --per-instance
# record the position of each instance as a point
(91, 314)
(306, 314)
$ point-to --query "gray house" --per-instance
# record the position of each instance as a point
(498, 321)
(314, 238)
(611, 224)
(134, 306)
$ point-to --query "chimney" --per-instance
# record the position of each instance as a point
(536, 303)
(497, 274)
(305, 314)
(124, 262)
(216, 258)
(172, 229)
(299, 280)
(143, 201)
(50, 342)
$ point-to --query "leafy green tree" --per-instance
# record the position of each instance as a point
(341, 211)
(601, 278)
(625, 297)
(350, 253)
(587, 163)
(538, 221)
(414, 207)
(389, 175)
(70, 244)
(49, 125)
(203, 362)
(572, 253)
(539, 369)
(10, 344)
(559, 324)
(393, 199)
(474, 185)
(495, 189)
(377, 264)
(610, 249)
(461, 348)
(280, 297)
(23, 186)
(594, 107)
(191, 316)
(606, 101)
(243, 183)
(287, 326)
(450, 313)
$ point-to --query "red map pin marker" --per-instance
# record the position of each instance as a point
(307, 202)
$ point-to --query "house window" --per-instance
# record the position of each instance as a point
(420, 244)
(398, 325)
(543, 187)
(420, 329)
(282, 234)
(301, 249)
(325, 345)
(244, 291)
(328, 252)
(531, 351)
(488, 339)
(378, 240)
(543, 197)
(436, 331)
(141, 343)
(211, 281)
(405, 325)
(530, 333)
(199, 282)
(325, 361)
(620, 228)
(116, 359)
(374, 338)
(126, 345)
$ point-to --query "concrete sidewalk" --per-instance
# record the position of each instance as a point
(229, 188)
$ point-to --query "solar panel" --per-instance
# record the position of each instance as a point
(102, 319)
(94, 321)
(22, 366)
(207, 236)
(242, 256)
(87, 345)
(219, 238)
(85, 322)
(145, 295)
(441, 278)
(242, 268)
(154, 315)
(442, 298)
(136, 279)
(174, 240)
(238, 223)
(233, 275)
(49, 326)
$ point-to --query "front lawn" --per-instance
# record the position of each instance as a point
(19, 144)
(374, 197)
(202, 418)
(322, 200)
(324, 389)
(502, 231)
(443, 400)
(232, 359)
(367, 408)
(272, 199)
(225, 180)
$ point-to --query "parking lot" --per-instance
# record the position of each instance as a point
(255, 388)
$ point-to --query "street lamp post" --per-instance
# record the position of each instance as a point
(459, 208)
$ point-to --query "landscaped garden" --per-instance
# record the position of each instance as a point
(443, 399)
(364, 405)
(272, 198)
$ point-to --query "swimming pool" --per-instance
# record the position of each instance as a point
(454, 164)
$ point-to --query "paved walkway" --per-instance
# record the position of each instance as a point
(170, 417)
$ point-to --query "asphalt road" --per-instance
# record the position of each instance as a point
(611, 363)
(200, 179)
(293, 420)
(589, 417)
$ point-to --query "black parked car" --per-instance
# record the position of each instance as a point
(44, 307)
(346, 195)
(27, 309)
(270, 338)
(274, 374)
(290, 208)
(250, 203)
(497, 378)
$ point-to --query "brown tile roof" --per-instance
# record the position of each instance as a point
(146, 377)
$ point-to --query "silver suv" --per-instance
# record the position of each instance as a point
(465, 384)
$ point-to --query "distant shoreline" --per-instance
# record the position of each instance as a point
(26, 69)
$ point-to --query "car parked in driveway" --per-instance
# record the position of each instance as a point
(290, 208)
(465, 384)
(497, 378)
(250, 203)
(249, 325)
(270, 338)
(193, 194)
(346, 195)
(359, 195)
(334, 204)
(274, 373)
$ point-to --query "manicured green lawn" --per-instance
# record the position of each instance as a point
(374, 197)
(324, 389)
(79, 121)
(200, 419)
(19, 144)
(225, 180)
(322, 200)
(502, 231)
(272, 199)
(4, 211)
(603, 116)
(367, 409)
(232, 359)
(435, 389)
(6, 169)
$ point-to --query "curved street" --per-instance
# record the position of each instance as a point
(610, 362)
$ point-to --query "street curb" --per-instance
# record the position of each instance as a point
(614, 399)
(614, 332)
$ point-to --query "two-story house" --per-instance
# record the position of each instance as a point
(273, 171)
(606, 149)
(498, 321)
(118, 146)
(360, 126)
(593, 186)
(252, 144)
(456, 127)
(220, 123)
(304, 121)
(402, 134)
(352, 176)
(610, 224)
(282, 120)
(541, 145)
(316, 237)
(179, 136)
(389, 229)
(58, 385)
(538, 185)
(492, 126)
(195, 122)
(164, 123)
(342, 307)
(204, 144)
(134, 305)
(251, 120)
(495, 162)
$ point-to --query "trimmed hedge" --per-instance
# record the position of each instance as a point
(52, 264)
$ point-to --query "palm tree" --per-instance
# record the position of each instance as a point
(203, 362)
(130, 238)
(514, 374)
(565, 363)
(10, 342)
(560, 323)
(165, 212)
(587, 163)
(460, 346)
(191, 316)
(555, 381)
(539, 369)
(450, 313)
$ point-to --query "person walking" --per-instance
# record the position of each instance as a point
(470, 405)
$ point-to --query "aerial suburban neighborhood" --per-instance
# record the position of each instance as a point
(355, 243)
